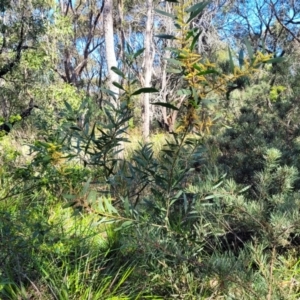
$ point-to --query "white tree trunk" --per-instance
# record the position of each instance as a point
(148, 61)
(110, 47)
(111, 59)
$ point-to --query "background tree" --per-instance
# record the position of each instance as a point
(22, 25)
(270, 26)
(110, 47)
(80, 21)
(148, 66)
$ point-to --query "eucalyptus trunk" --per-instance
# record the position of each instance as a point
(111, 59)
(148, 60)
(110, 48)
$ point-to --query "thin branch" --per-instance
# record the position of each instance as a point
(282, 24)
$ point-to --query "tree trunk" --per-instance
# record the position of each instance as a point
(111, 60)
(110, 48)
(148, 69)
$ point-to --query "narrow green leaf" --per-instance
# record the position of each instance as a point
(189, 34)
(117, 71)
(197, 6)
(196, 10)
(68, 106)
(69, 197)
(231, 64)
(173, 201)
(178, 194)
(164, 13)
(185, 203)
(195, 40)
(174, 61)
(69, 119)
(75, 128)
(166, 36)
(167, 105)
(263, 46)
(85, 187)
(139, 52)
(209, 197)
(217, 185)
(241, 58)
(197, 67)
(183, 92)
(109, 92)
(118, 85)
(127, 223)
(208, 102)
(90, 139)
(249, 49)
(174, 71)
(107, 220)
(92, 197)
(145, 90)
(86, 128)
(175, 50)
(129, 48)
(168, 152)
(208, 72)
(245, 189)
(275, 60)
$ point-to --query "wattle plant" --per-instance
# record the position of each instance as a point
(201, 77)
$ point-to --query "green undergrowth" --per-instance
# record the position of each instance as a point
(168, 222)
(209, 211)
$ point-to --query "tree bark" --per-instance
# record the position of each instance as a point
(110, 48)
(148, 60)
(111, 61)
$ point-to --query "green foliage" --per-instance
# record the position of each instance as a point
(257, 129)
(190, 216)
(276, 92)
(59, 256)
